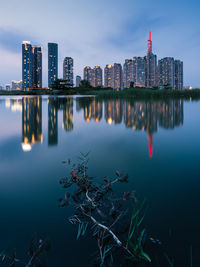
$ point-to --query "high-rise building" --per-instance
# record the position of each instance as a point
(117, 76)
(16, 85)
(52, 63)
(108, 76)
(37, 67)
(93, 76)
(78, 81)
(88, 75)
(140, 74)
(129, 72)
(97, 76)
(27, 58)
(178, 74)
(151, 65)
(8, 87)
(68, 74)
(166, 72)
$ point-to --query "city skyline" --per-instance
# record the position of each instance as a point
(124, 38)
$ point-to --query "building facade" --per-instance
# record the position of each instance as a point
(129, 71)
(140, 73)
(52, 63)
(108, 76)
(37, 67)
(117, 76)
(68, 73)
(27, 65)
(78, 81)
(97, 76)
(178, 74)
(166, 72)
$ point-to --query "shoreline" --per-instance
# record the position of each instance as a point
(136, 93)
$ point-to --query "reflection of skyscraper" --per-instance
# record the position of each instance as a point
(113, 111)
(52, 121)
(31, 122)
(68, 114)
(52, 63)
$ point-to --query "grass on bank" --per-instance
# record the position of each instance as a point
(136, 93)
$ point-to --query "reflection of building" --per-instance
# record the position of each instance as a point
(52, 63)
(113, 111)
(31, 122)
(92, 108)
(68, 114)
(68, 73)
(52, 121)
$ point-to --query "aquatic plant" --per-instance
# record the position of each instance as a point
(114, 219)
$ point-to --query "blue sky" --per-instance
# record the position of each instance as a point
(100, 32)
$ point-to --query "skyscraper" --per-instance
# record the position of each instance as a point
(117, 76)
(151, 65)
(37, 67)
(108, 76)
(78, 80)
(178, 74)
(88, 74)
(140, 75)
(97, 76)
(68, 74)
(52, 63)
(27, 65)
(129, 71)
(166, 72)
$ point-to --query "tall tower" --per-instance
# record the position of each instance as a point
(151, 66)
(27, 65)
(37, 67)
(68, 70)
(149, 50)
(52, 63)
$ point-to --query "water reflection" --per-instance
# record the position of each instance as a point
(31, 122)
(139, 115)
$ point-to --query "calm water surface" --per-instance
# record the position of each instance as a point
(157, 143)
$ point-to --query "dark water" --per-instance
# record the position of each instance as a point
(157, 143)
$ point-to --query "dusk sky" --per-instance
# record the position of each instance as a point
(100, 32)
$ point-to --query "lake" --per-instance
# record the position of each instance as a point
(157, 143)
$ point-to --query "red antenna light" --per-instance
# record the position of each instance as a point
(149, 50)
(150, 141)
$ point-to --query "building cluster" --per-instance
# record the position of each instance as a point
(144, 71)
(140, 72)
(32, 66)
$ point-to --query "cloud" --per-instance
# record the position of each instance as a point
(11, 39)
